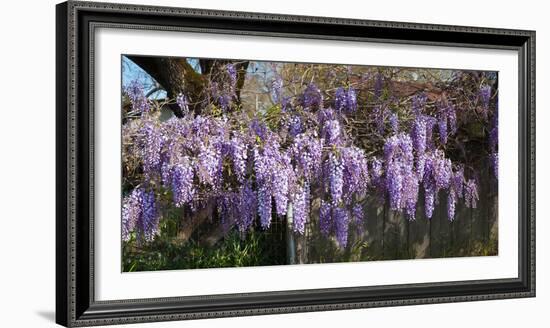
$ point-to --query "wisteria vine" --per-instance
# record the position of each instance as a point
(260, 171)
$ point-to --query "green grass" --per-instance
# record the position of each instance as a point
(235, 250)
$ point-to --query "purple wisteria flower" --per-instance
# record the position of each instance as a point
(345, 100)
(324, 115)
(332, 132)
(493, 160)
(239, 156)
(131, 212)
(340, 99)
(471, 195)
(274, 176)
(151, 145)
(262, 171)
(247, 207)
(376, 169)
(341, 225)
(277, 89)
(136, 93)
(451, 205)
(139, 214)
(355, 171)
(232, 73)
(325, 218)
(351, 100)
(312, 97)
(264, 205)
(485, 97)
(418, 103)
(259, 129)
(458, 181)
(149, 220)
(437, 176)
(447, 121)
(209, 163)
(183, 103)
(410, 195)
(430, 124)
(442, 125)
(418, 137)
(306, 152)
(452, 119)
(398, 157)
(442, 170)
(224, 100)
(295, 125)
(358, 213)
(379, 117)
(300, 203)
(336, 178)
(429, 199)
(358, 218)
(183, 188)
(282, 177)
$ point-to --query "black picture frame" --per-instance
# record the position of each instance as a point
(75, 26)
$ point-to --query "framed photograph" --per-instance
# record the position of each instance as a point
(214, 164)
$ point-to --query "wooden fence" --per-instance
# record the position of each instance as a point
(389, 235)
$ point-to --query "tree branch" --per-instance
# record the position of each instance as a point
(176, 76)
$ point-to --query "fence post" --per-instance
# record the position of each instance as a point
(290, 242)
